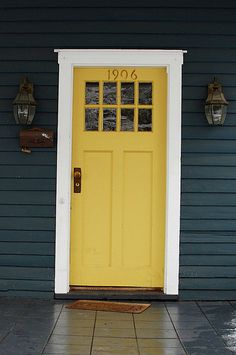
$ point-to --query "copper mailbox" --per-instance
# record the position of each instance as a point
(36, 138)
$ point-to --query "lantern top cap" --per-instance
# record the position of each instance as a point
(215, 94)
(26, 85)
(25, 94)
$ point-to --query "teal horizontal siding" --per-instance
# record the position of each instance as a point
(208, 224)
(193, 119)
(26, 248)
(213, 272)
(207, 263)
(27, 211)
(213, 133)
(44, 119)
(226, 79)
(190, 93)
(30, 237)
(151, 10)
(218, 237)
(27, 223)
(147, 26)
(11, 132)
(12, 145)
(33, 292)
(212, 283)
(208, 199)
(210, 68)
(207, 295)
(35, 66)
(31, 261)
(208, 248)
(33, 171)
(49, 106)
(111, 40)
(25, 285)
(43, 91)
(196, 105)
(209, 172)
(24, 198)
(208, 146)
(207, 185)
(123, 12)
(19, 184)
(209, 260)
(204, 212)
(23, 273)
(103, 4)
(209, 160)
(12, 78)
(40, 158)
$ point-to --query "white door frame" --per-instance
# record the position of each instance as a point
(70, 58)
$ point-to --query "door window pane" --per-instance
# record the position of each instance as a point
(127, 119)
(145, 93)
(109, 93)
(144, 119)
(127, 93)
(92, 93)
(91, 119)
(109, 119)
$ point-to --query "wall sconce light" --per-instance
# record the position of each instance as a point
(24, 105)
(216, 104)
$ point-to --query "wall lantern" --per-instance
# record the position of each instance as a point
(24, 105)
(216, 105)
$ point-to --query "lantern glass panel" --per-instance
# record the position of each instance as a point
(208, 114)
(32, 110)
(216, 114)
(224, 111)
(23, 111)
(216, 111)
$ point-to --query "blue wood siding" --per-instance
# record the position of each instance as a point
(29, 32)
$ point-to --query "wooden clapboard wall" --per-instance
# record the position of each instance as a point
(29, 31)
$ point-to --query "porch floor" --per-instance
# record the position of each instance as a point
(32, 326)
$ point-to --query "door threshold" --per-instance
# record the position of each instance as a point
(117, 293)
(114, 288)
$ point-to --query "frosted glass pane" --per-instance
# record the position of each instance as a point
(127, 93)
(92, 93)
(145, 93)
(109, 93)
(144, 119)
(127, 119)
(109, 119)
(91, 119)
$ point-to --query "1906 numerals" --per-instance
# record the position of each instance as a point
(114, 74)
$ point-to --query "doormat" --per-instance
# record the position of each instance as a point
(109, 306)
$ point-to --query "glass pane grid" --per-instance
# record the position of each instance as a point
(118, 106)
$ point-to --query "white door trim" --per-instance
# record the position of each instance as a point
(68, 59)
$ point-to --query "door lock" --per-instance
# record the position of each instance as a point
(77, 180)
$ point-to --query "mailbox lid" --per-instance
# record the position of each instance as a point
(37, 137)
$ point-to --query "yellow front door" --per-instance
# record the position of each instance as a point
(119, 143)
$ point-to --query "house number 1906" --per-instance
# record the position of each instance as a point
(114, 74)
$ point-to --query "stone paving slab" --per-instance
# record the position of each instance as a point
(44, 327)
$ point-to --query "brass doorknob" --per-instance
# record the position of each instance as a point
(77, 180)
(77, 174)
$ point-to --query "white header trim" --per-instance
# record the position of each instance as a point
(68, 59)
